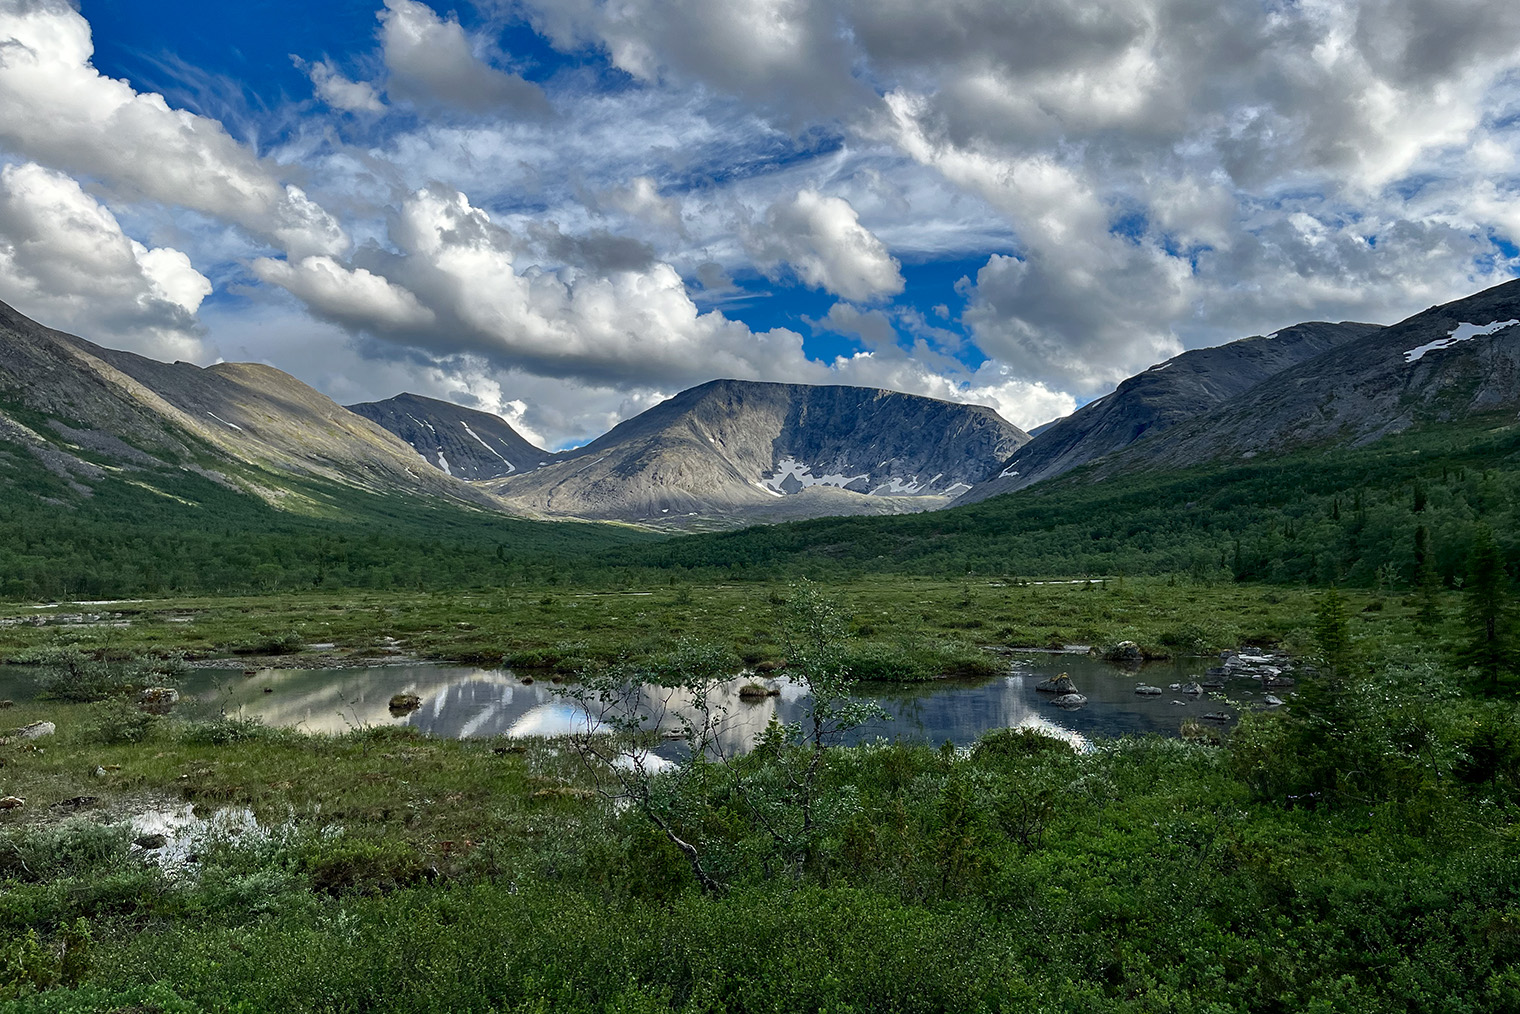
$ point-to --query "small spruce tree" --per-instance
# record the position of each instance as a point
(1486, 610)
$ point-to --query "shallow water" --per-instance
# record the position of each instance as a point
(463, 702)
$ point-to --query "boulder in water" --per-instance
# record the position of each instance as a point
(404, 704)
(1148, 691)
(1056, 685)
(1070, 702)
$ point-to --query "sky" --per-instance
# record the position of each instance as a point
(564, 211)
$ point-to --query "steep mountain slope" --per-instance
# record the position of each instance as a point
(740, 450)
(462, 442)
(1181, 388)
(244, 423)
(1446, 364)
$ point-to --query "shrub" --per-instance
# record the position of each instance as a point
(69, 673)
(117, 720)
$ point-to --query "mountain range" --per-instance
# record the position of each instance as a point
(730, 452)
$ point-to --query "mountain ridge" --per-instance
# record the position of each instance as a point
(463, 442)
(1174, 391)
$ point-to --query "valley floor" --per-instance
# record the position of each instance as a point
(1360, 853)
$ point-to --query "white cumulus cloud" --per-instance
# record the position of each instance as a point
(822, 240)
(431, 60)
(65, 260)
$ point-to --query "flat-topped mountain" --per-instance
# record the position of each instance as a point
(124, 408)
(461, 441)
(1182, 388)
(760, 451)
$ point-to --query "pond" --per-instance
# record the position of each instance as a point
(464, 702)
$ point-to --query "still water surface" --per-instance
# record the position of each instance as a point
(460, 702)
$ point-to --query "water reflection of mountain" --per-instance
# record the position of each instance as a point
(460, 702)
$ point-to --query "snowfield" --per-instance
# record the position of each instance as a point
(1460, 333)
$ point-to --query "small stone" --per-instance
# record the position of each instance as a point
(151, 842)
(11, 802)
(269, 690)
(1146, 691)
(99, 772)
(1192, 688)
(1056, 685)
(36, 730)
(1273, 701)
(402, 704)
(158, 700)
(1216, 716)
(76, 803)
(1070, 702)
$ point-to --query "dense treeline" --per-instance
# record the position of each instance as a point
(1345, 515)
(1389, 515)
(168, 531)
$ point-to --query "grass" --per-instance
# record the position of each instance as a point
(901, 628)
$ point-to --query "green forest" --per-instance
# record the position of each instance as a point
(1318, 516)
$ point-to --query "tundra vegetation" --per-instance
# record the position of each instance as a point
(1357, 850)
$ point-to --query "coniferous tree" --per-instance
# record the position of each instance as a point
(1486, 610)
(1425, 579)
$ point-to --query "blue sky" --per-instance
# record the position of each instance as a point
(564, 211)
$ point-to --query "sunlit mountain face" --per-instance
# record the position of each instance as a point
(564, 213)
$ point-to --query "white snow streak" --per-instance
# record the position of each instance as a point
(510, 467)
(1460, 333)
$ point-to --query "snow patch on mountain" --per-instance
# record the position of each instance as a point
(1460, 333)
(510, 467)
(793, 476)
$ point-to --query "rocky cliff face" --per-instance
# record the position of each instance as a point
(103, 403)
(1447, 363)
(462, 442)
(740, 449)
(1169, 393)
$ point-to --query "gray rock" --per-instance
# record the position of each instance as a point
(1192, 688)
(1274, 702)
(1070, 702)
(1148, 691)
(1060, 684)
(158, 700)
(37, 730)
